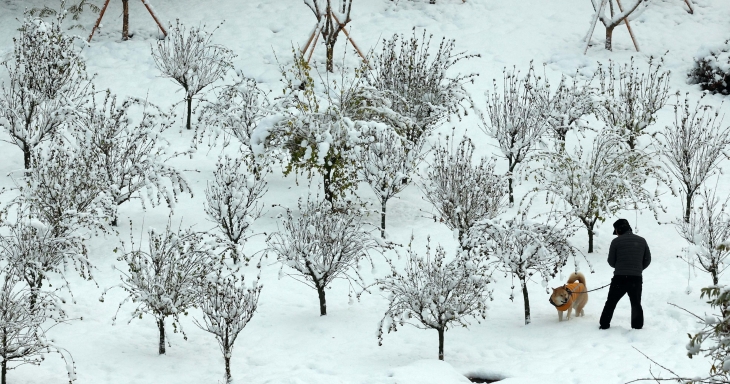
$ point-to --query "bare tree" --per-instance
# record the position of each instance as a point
(708, 234)
(228, 305)
(628, 100)
(617, 16)
(322, 245)
(461, 192)
(65, 189)
(34, 252)
(515, 119)
(565, 109)
(387, 162)
(234, 201)
(415, 81)
(47, 84)
(165, 280)
(24, 322)
(330, 21)
(522, 248)
(234, 112)
(591, 186)
(190, 58)
(434, 293)
(132, 154)
(693, 147)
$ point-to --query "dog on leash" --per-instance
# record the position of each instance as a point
(572, 295)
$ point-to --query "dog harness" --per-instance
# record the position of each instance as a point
(571, 296)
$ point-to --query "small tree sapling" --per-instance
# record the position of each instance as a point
(515, 118)
(627, 100)
(189, 57)
(234, 201)
(693, 148)
(461, 192)
(433, 292)
(165, 280)
(228, 304)
(322, 244)
(415, 81)
(708, 234)
(387, 162)
(24, 321)
(522, 248)
(330, 21)
(47, 84)
(132, 155)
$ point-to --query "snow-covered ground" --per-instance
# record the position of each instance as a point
(287, 341)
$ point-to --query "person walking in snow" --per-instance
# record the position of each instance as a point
(629, 255)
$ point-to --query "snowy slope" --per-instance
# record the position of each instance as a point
(287, 341)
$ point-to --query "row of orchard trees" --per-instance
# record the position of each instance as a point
(369, 124)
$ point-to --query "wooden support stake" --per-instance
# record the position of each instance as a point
(350, 38)
(691, 10)
(593, 25)
(311, 37)
(164, 32)
(98, 21)
(313, 45)
(628, 26)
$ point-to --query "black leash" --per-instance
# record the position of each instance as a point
(596, 288)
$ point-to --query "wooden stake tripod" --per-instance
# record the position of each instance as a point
(314, 36)
(125, 4)
(599, 12)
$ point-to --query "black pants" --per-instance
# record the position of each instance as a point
(621, 285)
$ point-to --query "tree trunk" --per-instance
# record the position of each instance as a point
(441, 343)
(34, 289)
(511, 192)
(190, 110)
(609, 37)
(227, 358)
(590, 239)
(161, 327)
(4, 372)
(125, 19)
(715, 279)
(527, 301)
(688, 208)
(327, 183)
(330, 54)
(26, 158)
(322, 301)
(382, 219)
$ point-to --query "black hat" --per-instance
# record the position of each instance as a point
(622, 225)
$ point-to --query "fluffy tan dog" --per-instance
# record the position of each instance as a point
(572, 295)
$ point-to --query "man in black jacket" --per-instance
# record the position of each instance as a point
(629, 255)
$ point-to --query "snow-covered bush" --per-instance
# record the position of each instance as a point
(76, 9)
(714, 335)
(165, 281)
(461, 192)
(590, 186)
(322, 244)
(131, 154)
(234, 112)
(66, 188)
(33, 252)
(387, 162)
(228, 304)
(47, 84)
(712, 69)
(234, 201)
(189, 57)
(628, 100)
(26, 316)
(565, 109)
(318, 124)
(415, 81)
(708, 234)
(515, 118)
(330, 21)
(693, 148)
(522, 248)
(433, 292)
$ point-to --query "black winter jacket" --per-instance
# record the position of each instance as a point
(629, 254)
